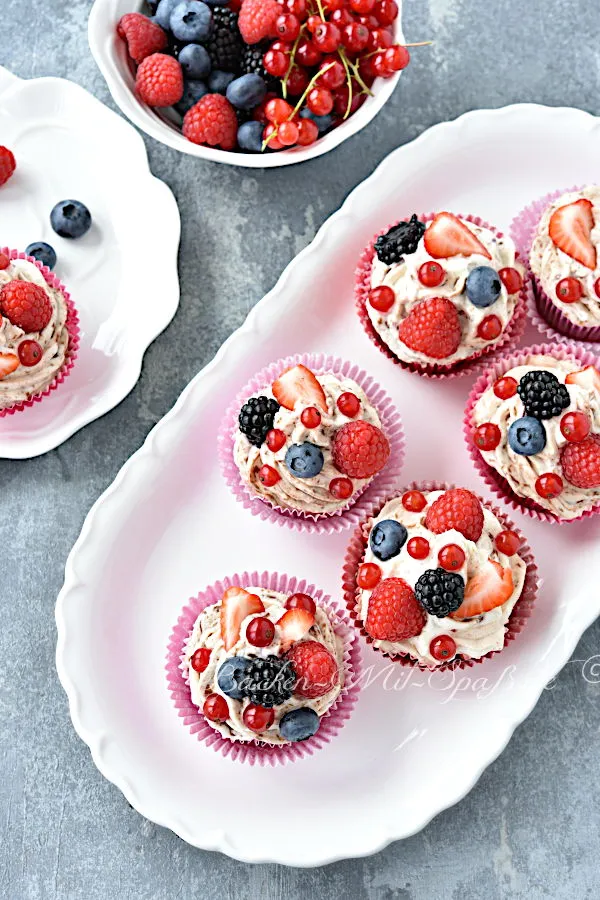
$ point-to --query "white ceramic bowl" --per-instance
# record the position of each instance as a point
(111, 56)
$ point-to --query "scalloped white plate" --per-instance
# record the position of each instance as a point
(68, 144)
(168, 526)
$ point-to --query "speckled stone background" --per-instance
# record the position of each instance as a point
(530, 829)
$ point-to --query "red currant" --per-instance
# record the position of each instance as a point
(310, 417)
(348, 404)
(507, 542)
(596, 286)
(505, 388)
(341, 488)
(307, 54)
(260, 631)
(297, 8)
(414, 501)
(569, 290)
(308, 132)
(355, 37)
(386, 11)
(331, 6)
(341, 96)
(334, 76)
(320, 101)
(258, 718)
(369, 576)
(287, 27)
(341, 18)
(380, 66)
(382, 298)
(362, 7)
(397, 58)
(4, 261)
(369, 21)
(327, 37)
(268, 476)
(30, 353)
(575, 426)
(200, 659)
(511, 279)
(297, 82)
(275, 439)
(379, 39)
(288, 133)
(282, 46)
(259, 114)
(313, 22)
(275, 63)
(215, 708)
(549, 485)
(487, 436)
(301, 601)
(273, 142)
(431, 274)
(442, 647)
(489, 328)
(451, 557)
(418, 548)
(278, 111)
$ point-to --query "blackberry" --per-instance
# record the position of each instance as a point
(270, 681)
(256, 418)
(402, 238)
(440, 592)
(225, 45)
(543, 395)
(243, 115)
(252, 64)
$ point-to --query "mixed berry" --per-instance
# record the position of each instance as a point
(570, 230)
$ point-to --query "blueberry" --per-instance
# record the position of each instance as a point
(387, 539)
(250, 137)
(527, 436)
(43, 252)
(483, 286)
(246, 92)
(230, 676)
(191, 21)
(219, 81)
(192, 92)
(195, 61)
(164, 9)
(323, 123)
(299, 724)
(304, 460)
(70, 219)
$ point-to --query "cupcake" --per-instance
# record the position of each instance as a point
(533, 423)
(307, 442)
(438, 578)
(264, 667)
(437, 292)
(36, 346)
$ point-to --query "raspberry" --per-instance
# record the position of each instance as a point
(394, 612)
(142, 36)
(211, 121)
(315, 667)
(257, 20)
(26, 305)
(456, 509)
(581, 462)
(7, 164)
(159, 80)
(360, 450)
(432, 327)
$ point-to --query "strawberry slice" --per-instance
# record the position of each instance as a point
(8, 363)
(236, 605)
(491, 587)
(293, 625)
(588, 378)
(570, 228)
(299, 384)
(448, 236)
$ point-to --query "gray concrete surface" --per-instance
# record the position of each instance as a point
(530, 827)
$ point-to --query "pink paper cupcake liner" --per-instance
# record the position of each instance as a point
(72, 324)
(544, 313)
(350, 514)
(495, 482)
(512, 333)
(256, 752)
(355, 554)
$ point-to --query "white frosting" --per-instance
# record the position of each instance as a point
(27, 381)
(473, 637)
(291, 492)
(207, 633)
(403, 278)
(551, 265)
(522, 472)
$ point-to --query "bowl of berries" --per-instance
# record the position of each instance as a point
(256, 83)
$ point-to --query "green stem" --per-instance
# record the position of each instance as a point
(348, 82)
(355, 72)
(284, 83)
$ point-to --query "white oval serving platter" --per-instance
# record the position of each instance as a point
(168, 526)
(69, 145)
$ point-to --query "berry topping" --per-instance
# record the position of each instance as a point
(490, 587)
(294, 625)
(275, 439)
(451, 557)
(418, 548)
(211, 121)
(543, 395)
(440, 592)
(316, 669)
(483, 286)
(456, 509)
(569, 290)
(511, 279)
(258, 718)
(581, 462)
(236, 605)
(256, 418)
(401, 239)
(268, 476)
(71, 218)
(394, 613)
(489, 328)
(159, 80)
(301, 601)
(30, 353)
(360, 450)
(341, 488)
(442, 647)
(487, 436)
(7, 164)
(260, 632)
(9, 362)
(382, 298)
(414, 501)
(142, 36)
(570, 229)
(225, 44)
(431, 274)
(348, 404)
(270, 681)
(575, 426)
(257, 20)
(387, 539)
(299, 385)
(507, 542)
(43, 252)
(506, 387)
(588, 378)
(432, 327)
(4, 261)
(200, 659)
(299, 724)
(304, 460)
(231, 676)
(447, 236)
(215, 708)
(26, 305)
(310, 417)
(549, 485)
(369, 576)
(527, 436)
